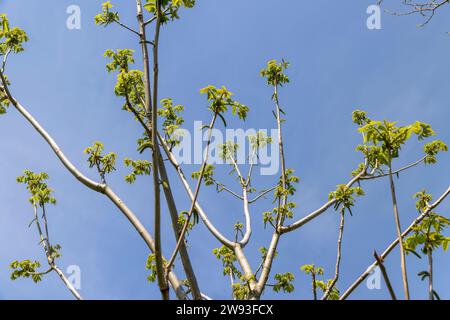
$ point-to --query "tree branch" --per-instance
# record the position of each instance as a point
(187, 265)
(385, 275)
(399, 232)
(338, 257)
(127, 27)
(47, 249)
(221, 238)
(316, 213)
(101, 188)
(370, 177)
(388, 250)
(160, 270)
(194, 200)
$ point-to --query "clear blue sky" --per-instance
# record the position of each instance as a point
(338, 65)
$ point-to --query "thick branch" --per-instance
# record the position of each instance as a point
(160, 270)
(187, 265)
(430, 275)
(248, 273)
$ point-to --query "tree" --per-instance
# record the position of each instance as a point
(426, 9)
(159, 119)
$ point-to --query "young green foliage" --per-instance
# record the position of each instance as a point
(314, 272)
(240, 291)
(432, 149)
(41, 194)
(151, 266)
(228, 151)
(268, 217)
(423, 200)
(290, 187)
(55, 252)
(169, 8)
(283, 211)
(103, 163)
(107, 16)
(130, 86)
(4, 101)
(428, 233)
(383, 140)
(260, 140)
(238, 227)
(228, 259)
(139, 168)
(286, 210)
(172, 120)
(11, 39)
(208, 175)
(263, 251)
(323, 286)
(274, 73)
(120, 59)
(311, 269)
(284, 282)
(220, 100)
(344, 197)
(26, 269)
(129, 83)
(182, 218)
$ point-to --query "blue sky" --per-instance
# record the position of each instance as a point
(337, 65)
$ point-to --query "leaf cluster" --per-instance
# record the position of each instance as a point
(220, 100)
(172, 120)
(344, 197)
(107, 16)
(41, 194)
(169, 8)
(274, 73)
(11, 39)
(383, 140)
(208, 175)
(139, 168)
(26, 269)
(103, 162)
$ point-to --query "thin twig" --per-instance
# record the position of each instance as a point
(262, 194)
(385, 275)
(369, 177)
(48, 252)
(338, 257)
(126, 27)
